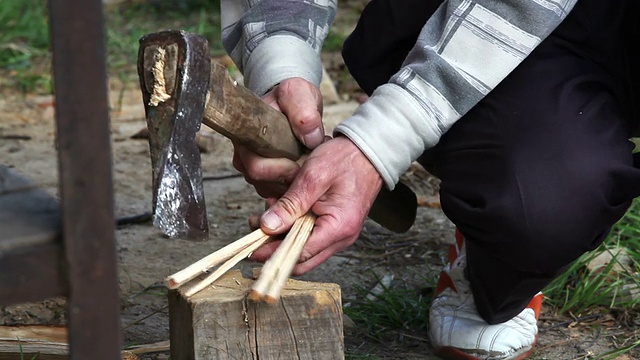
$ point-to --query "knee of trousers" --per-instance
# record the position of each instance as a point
(541, 226)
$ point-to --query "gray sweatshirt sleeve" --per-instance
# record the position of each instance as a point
(464, 50)
(273, 40)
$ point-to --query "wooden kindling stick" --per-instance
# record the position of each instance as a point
(226, 267)
(274, 273)
(278, 268)
(228, 252)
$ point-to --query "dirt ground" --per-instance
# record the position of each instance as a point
(146, 257)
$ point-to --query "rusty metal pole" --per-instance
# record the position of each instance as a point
(86, 187)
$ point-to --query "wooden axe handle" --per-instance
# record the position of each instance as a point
(243, 117)
(239, 114)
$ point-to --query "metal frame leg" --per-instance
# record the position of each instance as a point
(86, 188)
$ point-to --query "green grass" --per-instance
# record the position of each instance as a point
(25, 43)
(395, 308)
(615, 354)
(607, 289)
(24, 32)
(22, 355)
(580, 289)
(393, 313)
(334, 41)
(125, 25)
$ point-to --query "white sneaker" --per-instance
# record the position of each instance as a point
(458, 332)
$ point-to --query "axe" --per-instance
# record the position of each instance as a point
(182, 88)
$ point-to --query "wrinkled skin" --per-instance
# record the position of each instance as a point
(336, 182)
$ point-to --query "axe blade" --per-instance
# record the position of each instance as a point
(174, 67)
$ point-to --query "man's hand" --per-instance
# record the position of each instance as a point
(338, 184)
(301, 102)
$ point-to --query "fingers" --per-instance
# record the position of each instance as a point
(270, 176)
(340, 193)
(301, 102)
(265, 251)
(304, 267)
(305, 190)
(254, 220)
(337, 227)
(320, 246)
(259, 168)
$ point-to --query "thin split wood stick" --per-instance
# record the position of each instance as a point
(272, 267)
(267, 273)
(183, 276)
(226, 266)
(293, 255)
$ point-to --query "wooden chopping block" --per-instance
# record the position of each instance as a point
(221, 323)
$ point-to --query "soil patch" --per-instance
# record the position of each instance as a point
(145, 256)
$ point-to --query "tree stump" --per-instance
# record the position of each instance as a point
(221, 323)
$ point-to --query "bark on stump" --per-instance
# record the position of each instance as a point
(221, 323)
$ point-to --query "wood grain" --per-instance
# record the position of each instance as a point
(220, 323)
(243, 117)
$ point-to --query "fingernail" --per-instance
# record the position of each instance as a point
(271, 220)
(314, 138)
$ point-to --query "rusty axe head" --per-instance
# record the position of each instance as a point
(174, 68)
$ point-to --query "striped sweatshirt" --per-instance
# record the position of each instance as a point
(463, 51)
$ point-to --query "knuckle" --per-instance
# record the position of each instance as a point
(353, 232)
(305, 256)
(306, 118)
(290, 203)
(250, 166)
(311, 180)
(255, 170)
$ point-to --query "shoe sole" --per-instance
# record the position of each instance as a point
(451, 353)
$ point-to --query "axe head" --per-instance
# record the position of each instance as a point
(174, 68)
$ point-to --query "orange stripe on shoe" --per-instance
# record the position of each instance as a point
(536, 304)
(459, 238)
(454, 250)
(444, 282)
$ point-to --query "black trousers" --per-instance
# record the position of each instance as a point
(538, 172)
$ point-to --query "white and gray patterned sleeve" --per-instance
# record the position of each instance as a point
(464, 50)
(273, 40)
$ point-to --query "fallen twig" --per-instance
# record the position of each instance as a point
(572, 321)
(134, 219)
(15, 137)
(150, 348)
(221, 177)
(137, 321)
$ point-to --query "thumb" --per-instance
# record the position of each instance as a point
(301, 102)
(291, 206)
